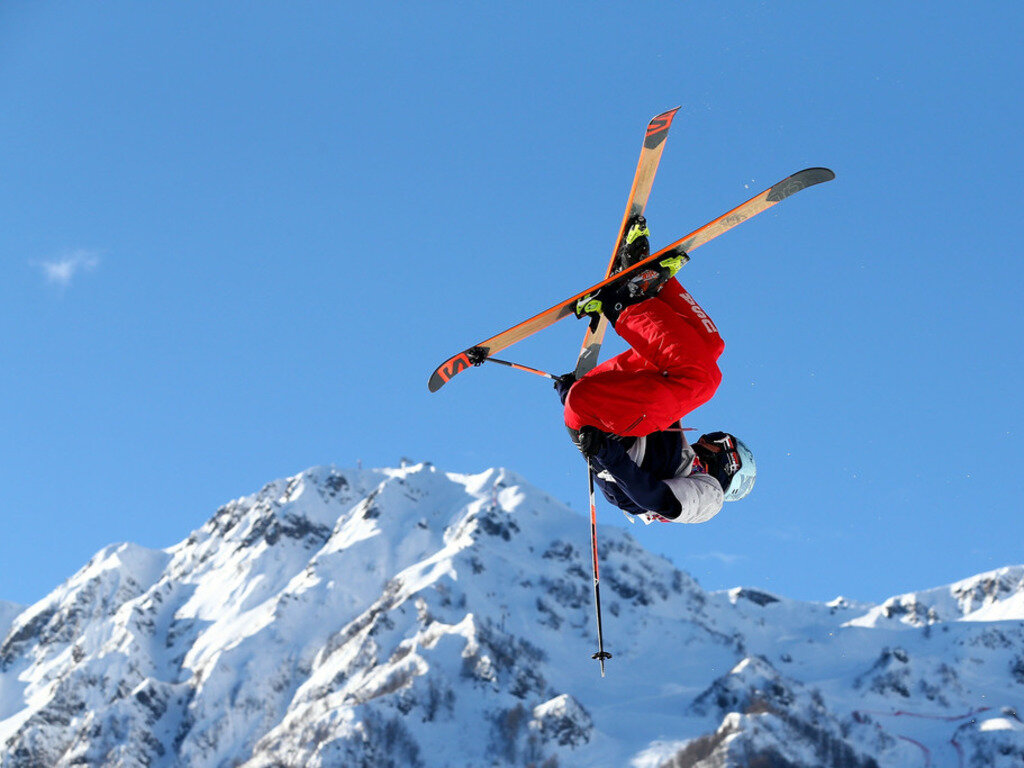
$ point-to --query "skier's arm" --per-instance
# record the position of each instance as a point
(639, 486)
(692, 498)
(699, 496)
(563, 384)
(614, 494)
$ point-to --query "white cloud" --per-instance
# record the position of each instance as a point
(725, 558)
(60, 271)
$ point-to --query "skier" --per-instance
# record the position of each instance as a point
(624, 415)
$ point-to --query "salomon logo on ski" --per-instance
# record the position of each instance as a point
(445, 372)
(657, 129)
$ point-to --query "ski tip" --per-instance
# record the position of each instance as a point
(459, 363)
(657, 129)
(447, 369)
(817, 175)
(799, 180)
(435, 382)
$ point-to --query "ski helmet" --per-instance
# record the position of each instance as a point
(733, 464)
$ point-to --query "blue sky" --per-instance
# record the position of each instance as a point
(238, 237)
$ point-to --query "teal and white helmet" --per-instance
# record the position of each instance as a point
(733, 464)
(742, 481)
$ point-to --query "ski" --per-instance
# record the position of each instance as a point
(643, 180)
(479, 353)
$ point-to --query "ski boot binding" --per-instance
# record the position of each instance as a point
(635, 245)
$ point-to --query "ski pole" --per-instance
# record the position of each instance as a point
(520, 367)
(601, 654)
(478, 356)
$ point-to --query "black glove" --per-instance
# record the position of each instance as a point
(563, 384)
(591, 441)
(565, 381)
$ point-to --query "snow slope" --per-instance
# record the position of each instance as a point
(413, 617)
(993, 596)
(8, 612)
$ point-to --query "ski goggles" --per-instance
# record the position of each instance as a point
(734, 465)
(728, 455)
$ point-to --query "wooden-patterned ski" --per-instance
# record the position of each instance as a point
(777, 193)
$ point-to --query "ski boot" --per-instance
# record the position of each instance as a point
(615, 297)
(600, 302)
(635, 245)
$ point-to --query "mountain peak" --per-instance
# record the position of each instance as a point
(411, 616)
(992, 596)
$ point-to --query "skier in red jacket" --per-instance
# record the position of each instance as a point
(624, 415)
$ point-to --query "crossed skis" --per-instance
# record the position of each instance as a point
(484, 351)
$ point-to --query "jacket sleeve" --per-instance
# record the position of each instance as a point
(614, 494)
(699, 496)
(639, 486)
(562, 387)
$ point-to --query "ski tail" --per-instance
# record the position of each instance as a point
(772, 196)
(636, 203)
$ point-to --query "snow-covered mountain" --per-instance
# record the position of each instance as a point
(8, 613)
(411, 617)
(994, 596)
